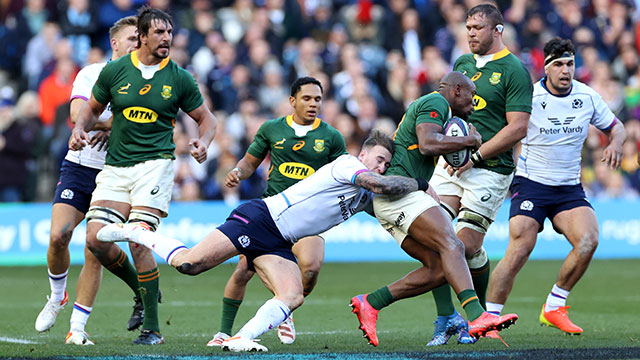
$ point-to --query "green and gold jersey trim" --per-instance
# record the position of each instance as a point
(499, 55)
(316, 122)
(136, 61)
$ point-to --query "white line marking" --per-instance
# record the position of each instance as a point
(16, 341)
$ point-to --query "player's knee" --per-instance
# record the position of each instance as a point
(242, 275)
(59, 240)
(189, 268)
(149, 218)
(588, 243)
(453, 245)
(294, 300)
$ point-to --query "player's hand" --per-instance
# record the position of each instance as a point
(477, 138)
(233, 178)
(431, 191)
(79, 139)
(198, 150)
(463, 168)
(612, 156)
(100, 139)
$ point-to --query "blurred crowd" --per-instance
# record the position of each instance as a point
(373, 57)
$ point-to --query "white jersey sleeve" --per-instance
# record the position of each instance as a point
(552, 150)
(82, 86)
(321, 201)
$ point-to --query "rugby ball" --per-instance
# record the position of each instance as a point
(457, 127)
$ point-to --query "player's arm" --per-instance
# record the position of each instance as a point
(389, 185)
(207, 126)
(432, 142)
(612, 154)
(86, 119)
(244, 168)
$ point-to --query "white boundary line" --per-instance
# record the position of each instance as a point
(16, 341)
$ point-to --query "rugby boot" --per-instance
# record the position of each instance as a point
(559, 318)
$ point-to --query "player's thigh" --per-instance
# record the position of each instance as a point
(433, 229)
(523, 232)
(310, 252)
(444, 184)
(429, 258)
(283, 276)
(579, 225)
(213, 250)
(152, 185)
(396, 214)
(64, 218)
(484, 192)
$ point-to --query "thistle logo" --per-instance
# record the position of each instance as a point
(67, 194)
(576, 104)
(526, 205)
(244, 241)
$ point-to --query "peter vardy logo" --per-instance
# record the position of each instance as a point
(155, 190)
(67, 194)
(564, 128)
(244, 241)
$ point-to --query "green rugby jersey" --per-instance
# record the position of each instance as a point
(407, 160)
(502, 85)
(144, 110)
(293, 157)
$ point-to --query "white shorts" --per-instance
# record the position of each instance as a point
(148, 183)
(397, 213)
(480, 190)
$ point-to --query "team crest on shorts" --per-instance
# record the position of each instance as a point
(319, 145)
(526, 205)
(166, 92)
(67, 194)
(495, 78)
(244, 241)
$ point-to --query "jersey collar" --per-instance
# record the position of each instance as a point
(316, 122)
(543, 83)
(499, 55)
(136, 61)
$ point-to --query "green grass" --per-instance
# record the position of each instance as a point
(605, 303)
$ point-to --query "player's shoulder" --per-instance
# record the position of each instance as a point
(580, 87)
(462, 59)
(433, 100)
(92, 69)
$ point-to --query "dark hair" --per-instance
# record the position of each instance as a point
(558, 46)
(146, 15)
(120, 24)
(378, 137)
(297, 85)
(489, 11)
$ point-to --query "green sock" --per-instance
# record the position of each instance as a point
(149, 285)
(230, 308)
(470, 304)
(122, 268)
(380, 298)
(480, 277)
(444, 304)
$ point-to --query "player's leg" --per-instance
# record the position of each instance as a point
(523, 231)
(580, 226)
(64, 218)
(86, 291)
(234, 292)
(284, 277)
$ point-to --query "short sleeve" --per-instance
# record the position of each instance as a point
(190, 97)
(101, 90)
(435, 111)
(338, 146)
(83, 83)
(346, 168)
(519, 91)
(260, 145)
(603, 118)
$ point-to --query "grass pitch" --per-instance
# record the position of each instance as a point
(605, 303)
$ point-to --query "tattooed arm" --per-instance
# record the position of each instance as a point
(386, 185)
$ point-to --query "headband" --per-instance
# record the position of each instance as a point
(558, 57)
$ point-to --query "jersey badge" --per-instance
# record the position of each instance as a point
(495, 78)
(299, 145)
(576, 104)
(476, 76)
(433, 114)
(166, 92)
(145, 89)
(319, 145)
(544, 105)
(279, 144)
(124, 89)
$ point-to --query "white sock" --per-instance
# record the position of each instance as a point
(493, 308)
(166, 247)
(79, 316)
(556, 298)
(269, 316)
(58, 283)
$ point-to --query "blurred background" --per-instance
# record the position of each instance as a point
(373, 58)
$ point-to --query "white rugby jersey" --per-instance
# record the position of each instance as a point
(82, 86)
(552, 150)
(321, 201)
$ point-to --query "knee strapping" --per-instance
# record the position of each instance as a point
(449, 210)
(470, 219)
(146, 217)
(104, 215)
(478, 260)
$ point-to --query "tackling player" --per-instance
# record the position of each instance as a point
(547, 182)
(145, 90)
(298, 144)
(71, 202)
(265, 230)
